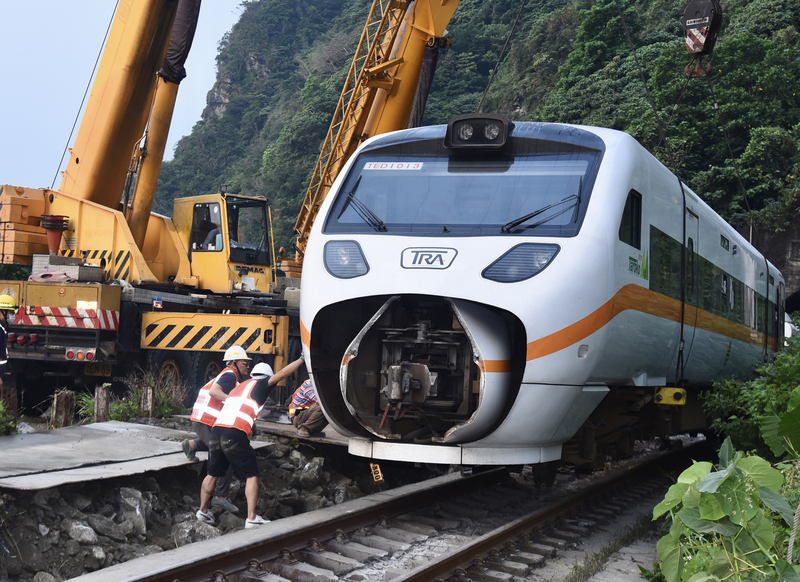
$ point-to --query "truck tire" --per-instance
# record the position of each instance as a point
(209, 365)
(175, 368)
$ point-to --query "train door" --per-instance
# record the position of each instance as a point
(692, 285)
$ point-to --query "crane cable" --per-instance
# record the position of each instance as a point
(500, 56)
(85, 93)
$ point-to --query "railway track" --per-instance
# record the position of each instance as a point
(480, 527)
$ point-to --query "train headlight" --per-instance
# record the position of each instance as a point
(477, 132)
(520, 263)
(344, 259)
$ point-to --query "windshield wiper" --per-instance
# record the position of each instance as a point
(516, 222)
(362, 209)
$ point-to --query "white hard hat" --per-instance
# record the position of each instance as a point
(261, 370)
(235, 353)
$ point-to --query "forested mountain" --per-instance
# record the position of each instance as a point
(282, 66)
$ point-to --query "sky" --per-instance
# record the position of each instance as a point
(49, 51)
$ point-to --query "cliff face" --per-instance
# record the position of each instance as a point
(282, 66)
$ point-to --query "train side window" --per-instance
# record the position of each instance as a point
(630, 228)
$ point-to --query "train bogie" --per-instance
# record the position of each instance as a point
(475, 303)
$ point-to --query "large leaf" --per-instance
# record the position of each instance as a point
(761, 472)
(794, 400)
(712, 481)
(777, 503)
(761, 530)
(786, 571)
(671, 499)
(703, 577)
(691, 518)
(669, 553)
(709, 508)
(697, 472)
(691, 498)
(789, 428)
(738, 498)
(725, 453)
(720, 565)
(769, 432)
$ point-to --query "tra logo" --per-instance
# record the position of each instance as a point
(427, 258)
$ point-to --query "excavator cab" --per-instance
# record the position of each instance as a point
(227, 242)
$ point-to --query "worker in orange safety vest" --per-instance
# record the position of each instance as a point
(230, 446)
(207, 407)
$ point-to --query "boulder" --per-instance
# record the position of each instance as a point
(79, 531)
(106, 526)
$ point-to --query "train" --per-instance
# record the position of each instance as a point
(489, 292)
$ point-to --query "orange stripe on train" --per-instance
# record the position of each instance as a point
(636, 298)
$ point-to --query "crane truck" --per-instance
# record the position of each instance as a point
(115, 286)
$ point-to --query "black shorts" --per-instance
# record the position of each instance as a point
(231, 447)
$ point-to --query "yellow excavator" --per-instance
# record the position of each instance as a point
(115, 286)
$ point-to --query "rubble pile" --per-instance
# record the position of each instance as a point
(60, 533)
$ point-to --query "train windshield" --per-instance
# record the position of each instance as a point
(540, 194)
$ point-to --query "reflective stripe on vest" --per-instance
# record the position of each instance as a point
(240, 410)
(207, 408)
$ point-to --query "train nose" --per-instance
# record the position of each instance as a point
(429, 369)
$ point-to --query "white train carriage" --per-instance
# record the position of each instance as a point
(472, 292)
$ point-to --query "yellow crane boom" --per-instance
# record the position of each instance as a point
(378, 93)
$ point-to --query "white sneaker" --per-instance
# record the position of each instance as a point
(250, 523)
(205, 517)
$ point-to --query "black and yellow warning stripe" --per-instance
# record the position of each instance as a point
(115, 267)
(210, 332)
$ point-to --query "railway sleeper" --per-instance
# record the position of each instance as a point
(545, 540)
(459, 511)
(525, 557)
(298, 571)
(435, 522)
(355, 550)
(376, 541)
(585, 523)
(318, 556)
(526, 542)
(502, 564)
(479, 572)
(567, 536)
(417, 528)
(397, 534)
(330, 561)
(250, 576)
(574, 528)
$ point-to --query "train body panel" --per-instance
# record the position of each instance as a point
(505, 293)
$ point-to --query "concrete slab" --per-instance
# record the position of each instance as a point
(89, 452)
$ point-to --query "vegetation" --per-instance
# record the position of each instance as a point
(7, 421)
(735, 521)
(282, 65)
(725, 522)
(168, 399)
